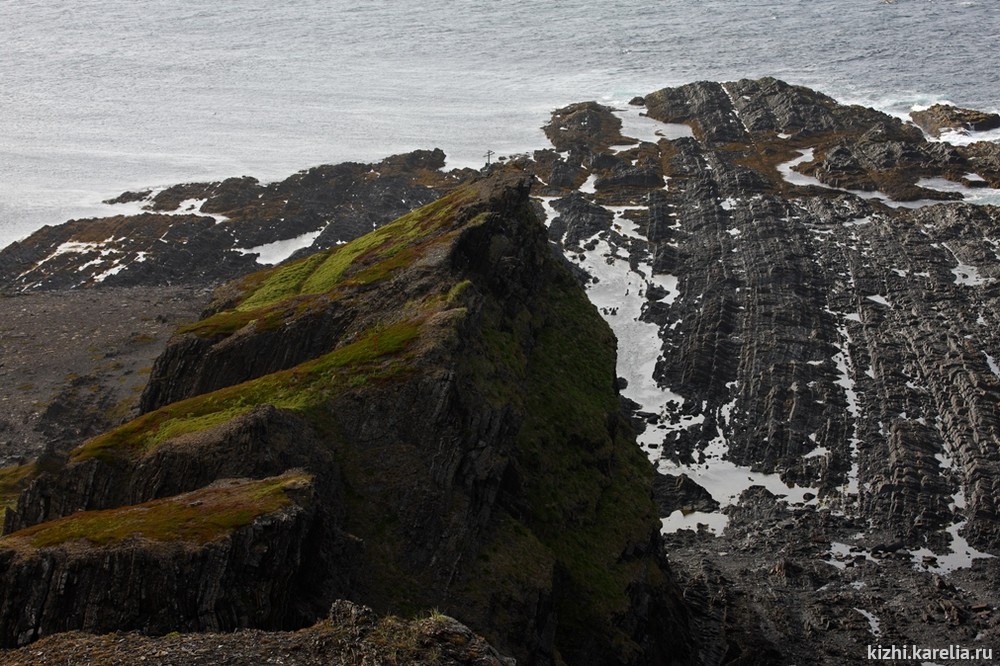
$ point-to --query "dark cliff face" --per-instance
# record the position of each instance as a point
(450, 394)
(189, 554)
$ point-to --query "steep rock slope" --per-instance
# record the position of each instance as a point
(447, 395)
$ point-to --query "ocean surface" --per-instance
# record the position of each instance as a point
(102, 96)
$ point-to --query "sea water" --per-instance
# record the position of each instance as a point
(100, 96)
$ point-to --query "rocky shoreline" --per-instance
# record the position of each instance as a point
(822, 361)
(806, 318)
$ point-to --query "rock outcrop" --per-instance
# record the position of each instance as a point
(352, 635)
(943, 117)
(802, 348)
(450, 394)
(189, 554)
(206, 233)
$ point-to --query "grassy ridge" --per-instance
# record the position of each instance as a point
(377, 355)
(270, 297)
(198, 517)
(273, 297)
(12, 480)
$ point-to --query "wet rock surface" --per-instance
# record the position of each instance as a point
(942, 117)
(805, 338)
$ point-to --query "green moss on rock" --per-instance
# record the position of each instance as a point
(585, 471)
(585, 481)
(271, 297)
(375, 356)
(12, 480)
(197, 517)
(324, 271)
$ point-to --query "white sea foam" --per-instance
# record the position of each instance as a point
(964, 137)
(788, 172)
(880, 299)
(976, 195)
(113, 270)
(992, 362)
(726, 481)
(973, 195)
(966, 275)
(961, 553)
(550, 212)
(818, 452)
(845, 369)
(620, 294)
(874, 626)
(840, 553)
(588, 185)
(276, 252)
(636, 125)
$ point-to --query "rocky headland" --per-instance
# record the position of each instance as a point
(423, 418)
(804, 299)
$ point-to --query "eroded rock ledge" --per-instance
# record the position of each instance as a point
(206, 233)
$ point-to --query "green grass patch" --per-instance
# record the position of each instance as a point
(323, 271)
(199, 517)
(273, 296)
(454, 296)
(284, 281)
(377, 355)
(221, 323)
(267, 318)
(12, 481)
(330, 271)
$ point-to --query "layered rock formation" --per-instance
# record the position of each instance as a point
(941, 118)
(190, 554)
(423, 418)
(794, 313)
(785, 304)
